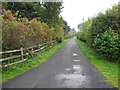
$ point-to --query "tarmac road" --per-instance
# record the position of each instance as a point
(68, 68)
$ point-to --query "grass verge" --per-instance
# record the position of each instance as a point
(107, 68)
(17, 69)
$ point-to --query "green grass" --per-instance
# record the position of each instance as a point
(17, 69)
(107, 68)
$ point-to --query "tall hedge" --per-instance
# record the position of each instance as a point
(102, 32)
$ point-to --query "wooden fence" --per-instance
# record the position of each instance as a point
(24, 52)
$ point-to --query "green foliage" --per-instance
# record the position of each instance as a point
(108, 69)
(102, 22)
(108, 45)
(47, 13)
(51, 13)
(66, 29)
(21, 32)
(29, 10)
(69, 34)
(102, 32)
(85, 34)
(73, 31)
(59, 40)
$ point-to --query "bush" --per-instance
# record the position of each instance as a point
(59, 40)
(80, 36)
(103, 21)
(68, 35)
(17, 33)
(85, 33)
(58, 33)
(108, 45)
(102, 33)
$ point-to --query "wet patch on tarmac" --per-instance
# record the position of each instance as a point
(75, 79)
(70, 80)
(77, 69)
(67, 69)
(74, 54)
(76, 60)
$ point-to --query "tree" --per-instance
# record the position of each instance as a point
(48, 12)
(51, 13)
(66, 28)
(29, 10)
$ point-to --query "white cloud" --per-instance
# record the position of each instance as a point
(75, 10)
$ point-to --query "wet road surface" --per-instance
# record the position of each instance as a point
(68, 68)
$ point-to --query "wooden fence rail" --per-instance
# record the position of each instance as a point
(24, 52)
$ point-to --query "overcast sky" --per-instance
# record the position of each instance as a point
(75, 10)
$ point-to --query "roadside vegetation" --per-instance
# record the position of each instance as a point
(99, 40)
(107, 68)
(26, 24)
(102, 32)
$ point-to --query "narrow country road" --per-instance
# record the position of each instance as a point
(68, 68)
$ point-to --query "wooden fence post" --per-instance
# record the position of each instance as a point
(45, 49)
(48, 46)
(32, 51)
(51, 44)
(39, 46)
(22, 53)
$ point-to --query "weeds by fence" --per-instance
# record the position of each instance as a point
(20, 55)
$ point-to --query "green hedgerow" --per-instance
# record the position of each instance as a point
(108, 44)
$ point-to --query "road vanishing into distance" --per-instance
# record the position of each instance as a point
(68, 68)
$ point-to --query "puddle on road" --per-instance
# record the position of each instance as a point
(67, 69)
(76, 60)
(75, 72)
(74, 54)
(70, 80)
(77, 69)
